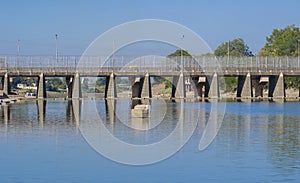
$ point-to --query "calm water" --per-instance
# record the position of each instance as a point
(258, 142)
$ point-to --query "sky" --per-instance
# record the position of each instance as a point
(78, 23)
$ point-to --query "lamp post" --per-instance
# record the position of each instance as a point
(298, 48)
(228, 50)
(181, 53)
(56, 53)
(18, 47)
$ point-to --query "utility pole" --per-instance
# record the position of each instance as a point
(298, 42)
(56, 53)
(18, 47)
(228, 50)
(181, 53)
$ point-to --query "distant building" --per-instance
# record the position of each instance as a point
(25, 86)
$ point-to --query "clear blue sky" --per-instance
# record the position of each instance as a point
(35, 22)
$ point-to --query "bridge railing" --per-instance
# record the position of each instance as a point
(146, 64)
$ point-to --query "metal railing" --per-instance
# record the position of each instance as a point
(158, 64)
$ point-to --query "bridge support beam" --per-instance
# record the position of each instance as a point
(244, 89)
(178, 88)
(76, 90)
(110, 89)
(146, 87)
(212, 87)
(41, 87)
(276, 86)
(69, 86)
(6, 85)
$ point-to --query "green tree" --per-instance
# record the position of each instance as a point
(179, 52)
(236, 47)
(100, 81)
(85, 84)
(282, 42)
(55, 84)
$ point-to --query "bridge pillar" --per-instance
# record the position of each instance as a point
(41, 87)
(6, 85)
(69, 84)
(276, 86)
(244, 89)
(76, 90)
(178, 88)
(110, 89)
(146, 88)
(212, 87)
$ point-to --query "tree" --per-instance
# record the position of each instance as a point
(236, 47)
(282, 42)
(85, 84)
(100, 81)
(55, 84)
(179, 52)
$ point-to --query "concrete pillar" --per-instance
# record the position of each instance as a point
(178, 89)
(212, 87)
(276, 86)
(41, 87)
(110, 89)
(69, 83)
(6, 85)
(146, 88)
(76, 90)
(244, 89)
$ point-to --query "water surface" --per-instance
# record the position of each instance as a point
(258, 142)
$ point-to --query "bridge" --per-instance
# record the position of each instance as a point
(204, 71)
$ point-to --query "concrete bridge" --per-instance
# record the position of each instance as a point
(204, 71)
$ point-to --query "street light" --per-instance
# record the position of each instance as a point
(18, 47)
(181, 52)
(228, 50)
(56, 35)
(298, 41)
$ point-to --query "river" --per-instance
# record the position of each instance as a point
(43, 141)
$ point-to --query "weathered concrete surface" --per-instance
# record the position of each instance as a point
(212, 87)
(146, 87)
(76, 91)
(276, 86)
(110, 89)
(244, 89)
(178, 89)
(41, 87)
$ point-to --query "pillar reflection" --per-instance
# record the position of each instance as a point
(41, 110)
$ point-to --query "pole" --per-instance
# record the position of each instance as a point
(228, 50)
(298, 41)
(18, 47)
(181, 53)
(18, 51)
(113, 53)
(56, 52)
